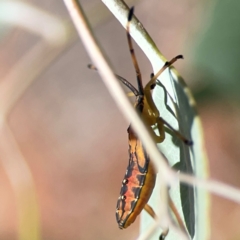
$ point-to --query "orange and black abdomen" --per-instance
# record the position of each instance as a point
(137, 185)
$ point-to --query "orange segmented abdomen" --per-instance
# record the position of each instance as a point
(137, 185)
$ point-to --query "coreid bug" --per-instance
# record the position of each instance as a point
(140, 176)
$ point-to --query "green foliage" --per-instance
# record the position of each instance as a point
(217, 52)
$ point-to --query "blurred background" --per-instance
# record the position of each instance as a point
(64, 151)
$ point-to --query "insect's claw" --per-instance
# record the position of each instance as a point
(130, 14)
(188, 142)
(179, 56)
(162, 236)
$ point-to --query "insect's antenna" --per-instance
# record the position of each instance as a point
(134, 59)
(128, 84)
(123, 80)
(151, 83)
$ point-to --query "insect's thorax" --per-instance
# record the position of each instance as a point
(146, 112)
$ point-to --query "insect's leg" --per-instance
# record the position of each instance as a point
(165, 66)
(162, 122)
(151, 212)
(133, 56)
(151, 84)
(163, 235)
(177, 215)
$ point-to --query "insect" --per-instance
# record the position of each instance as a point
(140, 176)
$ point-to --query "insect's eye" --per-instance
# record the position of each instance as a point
(125, 181)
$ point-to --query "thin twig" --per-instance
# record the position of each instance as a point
(216, 187)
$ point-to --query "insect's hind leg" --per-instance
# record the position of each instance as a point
(162, 122)
(151, 212)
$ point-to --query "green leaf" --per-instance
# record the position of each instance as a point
(179, 111)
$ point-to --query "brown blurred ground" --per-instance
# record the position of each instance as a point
(74, 138)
